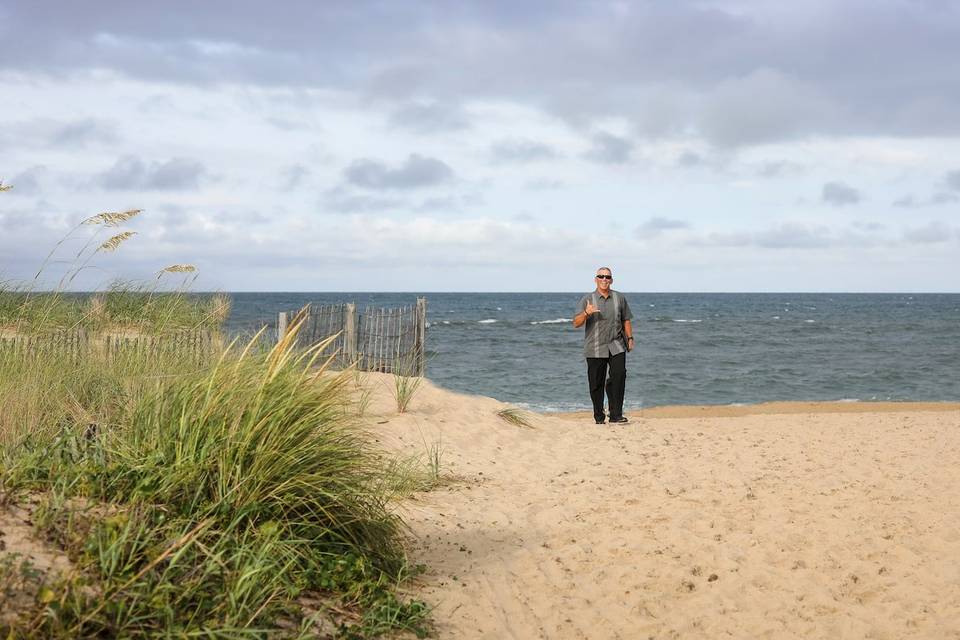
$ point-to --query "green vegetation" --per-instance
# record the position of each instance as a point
(406, 382)
(234, 495)
(516, 417)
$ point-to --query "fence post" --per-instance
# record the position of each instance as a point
(281, 326)
(420, 337)
(349, 333)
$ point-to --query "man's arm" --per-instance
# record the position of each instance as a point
(584, 310)
(628, 334)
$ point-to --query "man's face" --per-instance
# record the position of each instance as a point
(603, 279)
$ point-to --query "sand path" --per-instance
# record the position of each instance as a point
(777, 525)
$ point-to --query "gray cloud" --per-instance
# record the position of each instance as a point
(342, 200)
(793, 236)
(941, 198)
(430, 117)
(544, 184)
(839, 194)
(736, 74)
(83, 132)
(450, 204)
(292, 177)
(130, 172)
(417, 171)
(788, 235)
(690, 159)
(609, 149)
(776, 169)
(29, 182)
(930, 233)
(58, 134)
(952, 180)
(656, 225)
(517, 150)
(868, 226)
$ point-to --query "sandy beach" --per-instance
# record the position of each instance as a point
(790, 520)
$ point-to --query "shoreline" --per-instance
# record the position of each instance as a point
(787, 407)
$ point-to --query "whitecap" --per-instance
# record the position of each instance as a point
(776, 317)
(810, 321)
(554, 321)
(499, 309)
(487, 321)
(684, 320)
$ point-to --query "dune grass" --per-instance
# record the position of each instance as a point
(516, 417)
(206, 500)
(234, 495)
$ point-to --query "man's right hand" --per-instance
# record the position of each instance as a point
(590, 309)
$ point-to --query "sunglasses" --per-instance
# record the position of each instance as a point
(605, 277)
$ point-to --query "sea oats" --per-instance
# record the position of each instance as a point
(5, 187)
(177, 268)
(113, 218)
(116, 241)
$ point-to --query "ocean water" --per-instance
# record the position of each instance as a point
(691, 348)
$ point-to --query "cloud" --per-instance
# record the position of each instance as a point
(544, 184)
(292, 176)
(29, 182)
(839, 194)
(130, 172)
(779, 168)
(657, 225)
(941, 198)
(787, 235)
(341, 201)
(952, 180)
(609, 149)
(517, 150)
(930, 233)
(690, 159)
(430, 117)
(81, 133)
(793, 236)
(58, 134)
(734, 73)
(416, 172)
(765, 105)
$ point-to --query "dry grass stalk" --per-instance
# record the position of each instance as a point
(112, 218)
(5, 187)
(516, 417)
(112, 243)
(177, 268)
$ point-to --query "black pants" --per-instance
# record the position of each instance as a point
(615, 384)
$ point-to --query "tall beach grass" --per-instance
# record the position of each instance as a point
(232, 496)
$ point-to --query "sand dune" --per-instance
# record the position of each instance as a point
(802, 521)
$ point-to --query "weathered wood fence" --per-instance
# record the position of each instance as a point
(192, 344)
(375, 339)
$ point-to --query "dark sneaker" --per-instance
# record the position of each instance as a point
(619, 420)
(599, 420)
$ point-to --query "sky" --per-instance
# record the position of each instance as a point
(435, 145)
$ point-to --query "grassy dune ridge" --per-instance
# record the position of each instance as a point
(235, 496)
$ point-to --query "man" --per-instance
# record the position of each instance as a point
(607, 338)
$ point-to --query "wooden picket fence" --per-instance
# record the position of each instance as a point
(375, 339)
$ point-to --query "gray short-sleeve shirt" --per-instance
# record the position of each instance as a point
(603, 333)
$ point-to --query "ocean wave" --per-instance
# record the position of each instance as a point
(487, 321)
(685, 320)
(554, 321)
